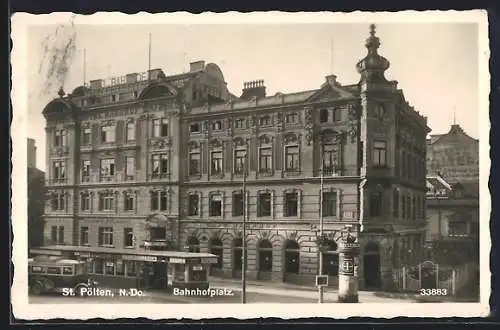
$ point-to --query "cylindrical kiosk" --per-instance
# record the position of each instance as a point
(348, 268)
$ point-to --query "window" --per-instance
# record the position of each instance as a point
(217, 162)
(53, 235)
(414, 208)
(380, 111)
(239, 161)
(239, 123)
(337, 114)
(194, 163)
(59, 168)
(113, 98)
(60, 235)
(292, 257)
(108, 133)
(130, 268)
(264, 204)
(130, 131)
(120, 268)
(216, 125)
(215, 205)
(158, 233)
(265, 256)
(376, 204)
(265, 121)
(86, 171)
(193, 245)
(323, 115)
(86, 136)
(99, 266)
(128, 201)
(291, 118)
(193, 204)
(238, 254)
(330, 259)
(329, 159)
(85, 201)
(265, 160)
(106, 201)
(403, 208)
(292, 158)
(380, 153)
(58, 202)
(408, 207)
(107, 169)
(61, 138)
(129, 168)
(194, 128)
(84, 235)
(158, 201)
(238, 204)
(160, 127)
(329, 203)
(395, 205)
(159, 165)
(216, 247)
(291, 204)
(105, 236)
(128, 237)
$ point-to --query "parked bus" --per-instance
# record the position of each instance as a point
(53, 274)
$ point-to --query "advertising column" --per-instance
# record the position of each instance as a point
(348, 268)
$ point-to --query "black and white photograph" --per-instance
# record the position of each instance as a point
(308, 164)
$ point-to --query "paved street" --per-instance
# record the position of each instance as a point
(256, 293)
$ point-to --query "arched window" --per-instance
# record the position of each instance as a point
(292, 257)
(237, 254)
(216, 247)
(193, 244)
(330, 259)
(265, 256)
(323, 115)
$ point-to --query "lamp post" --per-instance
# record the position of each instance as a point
(244, 234)
(320, 247)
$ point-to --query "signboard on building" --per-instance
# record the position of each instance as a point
(321, 280)
(177, 260)
(140, 258)
(347, 266)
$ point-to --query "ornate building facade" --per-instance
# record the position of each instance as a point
(158, 162)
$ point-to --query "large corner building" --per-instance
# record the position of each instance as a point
(156, 161)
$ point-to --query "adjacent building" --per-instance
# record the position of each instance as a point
(36, 198)
(156, 161)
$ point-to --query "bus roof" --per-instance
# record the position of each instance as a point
(106, 250)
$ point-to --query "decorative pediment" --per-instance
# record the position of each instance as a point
(264, 139)
(291, 138)
(193, 145)
(239, 142)
(215, 143)
(330, 93)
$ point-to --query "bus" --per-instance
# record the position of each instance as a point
(49, 274)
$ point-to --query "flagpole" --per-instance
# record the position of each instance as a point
(149, 58)
(84, 66)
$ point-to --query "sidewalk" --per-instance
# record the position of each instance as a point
(301, 291)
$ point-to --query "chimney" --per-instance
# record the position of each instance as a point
(331, 80)
(253, 89)
(156, 74)
(196, 66)
(96, 84)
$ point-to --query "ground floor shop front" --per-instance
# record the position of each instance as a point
(293, 256)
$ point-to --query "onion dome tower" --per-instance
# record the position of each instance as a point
(373, 66)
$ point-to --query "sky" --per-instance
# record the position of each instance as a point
(435, 64)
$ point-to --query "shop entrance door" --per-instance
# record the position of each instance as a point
(159, 276)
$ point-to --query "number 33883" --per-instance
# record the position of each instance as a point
(433, 292)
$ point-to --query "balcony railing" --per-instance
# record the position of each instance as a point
(57, 181)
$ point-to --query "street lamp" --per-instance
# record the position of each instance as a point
(320, 247)
(244, 234)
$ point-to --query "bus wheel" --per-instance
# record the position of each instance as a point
(78, 290)
(36, 289)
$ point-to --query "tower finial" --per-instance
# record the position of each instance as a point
(372, 29)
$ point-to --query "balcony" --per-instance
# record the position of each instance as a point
(159, 176)
(57, 181)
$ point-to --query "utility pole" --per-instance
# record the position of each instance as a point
(244, 234)
(320, 247)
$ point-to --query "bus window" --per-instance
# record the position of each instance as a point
(54, 270)
(37, 269)
(68, 270)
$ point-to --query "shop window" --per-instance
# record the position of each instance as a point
(265, 256)
(130, 268)
(292, 257)
(216, 247)
(98, 266)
